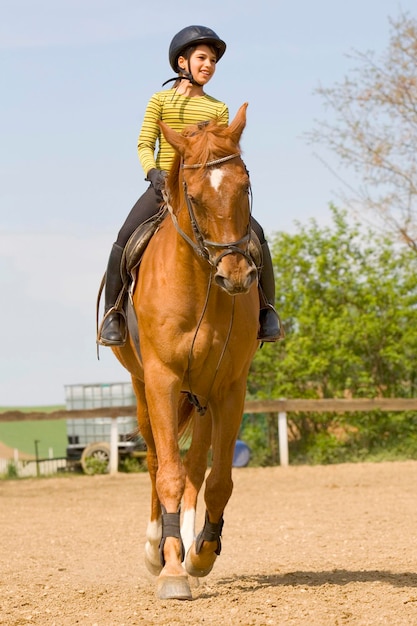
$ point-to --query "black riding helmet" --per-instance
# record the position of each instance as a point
(192, 36)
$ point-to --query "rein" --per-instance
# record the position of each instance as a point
(201, 410)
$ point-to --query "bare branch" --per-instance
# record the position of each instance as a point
(372, 128)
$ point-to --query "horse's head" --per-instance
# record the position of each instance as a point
(210, 179)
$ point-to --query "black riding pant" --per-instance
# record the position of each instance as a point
(146, 207)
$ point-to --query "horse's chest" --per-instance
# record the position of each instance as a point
(200, 348)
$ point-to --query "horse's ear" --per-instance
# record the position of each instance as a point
(176, 140)
(236, 127)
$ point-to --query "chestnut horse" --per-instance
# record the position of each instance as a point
(197, 306)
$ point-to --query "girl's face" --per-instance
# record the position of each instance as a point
(202, 64)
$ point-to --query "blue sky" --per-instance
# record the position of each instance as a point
(76, 76)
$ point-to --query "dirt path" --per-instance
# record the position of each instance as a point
(313, 546)
(8, 453)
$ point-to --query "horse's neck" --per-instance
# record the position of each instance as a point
(187, 269)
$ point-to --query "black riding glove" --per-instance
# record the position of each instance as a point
(156, 178)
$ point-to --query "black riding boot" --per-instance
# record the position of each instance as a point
(270, 328)
(113, 326)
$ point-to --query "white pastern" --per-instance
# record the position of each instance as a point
(216, 177)
(188, 529)
(153, 536)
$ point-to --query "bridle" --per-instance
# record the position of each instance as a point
(202, 245)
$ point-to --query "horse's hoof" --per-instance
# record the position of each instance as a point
(153, 568)
(198, 570)
(173, 588)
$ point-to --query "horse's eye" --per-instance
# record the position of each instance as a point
(194, 199)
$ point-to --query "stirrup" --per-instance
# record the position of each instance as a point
(272, 334)
(122, 325)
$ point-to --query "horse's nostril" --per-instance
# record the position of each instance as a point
(223, 283)
(250, 279)
(252, 275)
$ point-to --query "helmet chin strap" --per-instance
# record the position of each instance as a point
(184, 74)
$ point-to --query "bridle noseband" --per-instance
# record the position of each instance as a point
(201, 244)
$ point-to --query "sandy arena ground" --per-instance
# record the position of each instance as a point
(313, 546)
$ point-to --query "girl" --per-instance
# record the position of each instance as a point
(193, 55)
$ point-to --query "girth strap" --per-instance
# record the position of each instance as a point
(210, 532)
(170, 528)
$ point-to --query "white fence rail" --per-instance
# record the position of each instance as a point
(32, 468)
(279, 407)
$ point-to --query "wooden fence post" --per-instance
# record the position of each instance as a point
(272, 437)
(114, 448)
(283, 438)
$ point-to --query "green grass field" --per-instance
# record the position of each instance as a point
(34, 409)
(22, 435)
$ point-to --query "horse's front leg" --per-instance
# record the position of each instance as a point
(195, 463)
(227, 417)
(162, 393)
(154, 528)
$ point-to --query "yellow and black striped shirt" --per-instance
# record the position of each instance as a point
(177, 111)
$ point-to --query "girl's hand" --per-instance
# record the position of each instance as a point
(157, 178)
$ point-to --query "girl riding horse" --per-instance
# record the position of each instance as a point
(193, 55)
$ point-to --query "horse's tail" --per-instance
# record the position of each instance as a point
(185, 418)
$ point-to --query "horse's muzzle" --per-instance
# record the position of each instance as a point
(236, 279)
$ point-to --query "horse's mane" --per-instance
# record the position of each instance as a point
(210, 141)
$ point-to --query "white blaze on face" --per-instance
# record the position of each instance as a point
(216, 177)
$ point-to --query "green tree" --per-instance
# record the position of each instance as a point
(348, 299)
